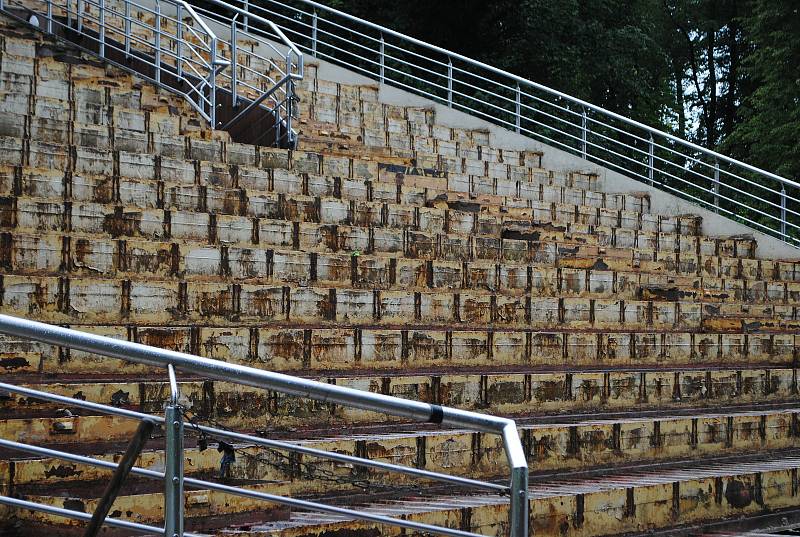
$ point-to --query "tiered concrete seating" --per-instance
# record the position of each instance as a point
(391, 254)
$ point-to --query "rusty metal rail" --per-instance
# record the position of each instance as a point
(173, 424)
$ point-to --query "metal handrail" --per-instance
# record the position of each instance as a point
(514, 102)
(295, 386)
(178, 49)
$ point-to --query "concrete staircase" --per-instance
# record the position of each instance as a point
(651, 367)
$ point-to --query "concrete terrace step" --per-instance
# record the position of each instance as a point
(52, 253)
(531, 397)
(287, 347)
(148, 300)
(638, 444)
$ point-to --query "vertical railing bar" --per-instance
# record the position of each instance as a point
(173, 464)
(382, 59)
(314, 23)
(783, 212)
(127, 29)
(450, 82)
(212, 86)
(79, 16)
(157, 61)
(50, 16)
(716, 186)
(179, 42)
(235, 99)
(102, 29)
(583, 133)
(651, 161)
(518, 111)
(246, 20)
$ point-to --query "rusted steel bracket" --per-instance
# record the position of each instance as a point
(135, 446)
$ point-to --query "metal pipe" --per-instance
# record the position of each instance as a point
(716, 186)
(651, 162)
(174, 393)
(261, 98)
(111, 491)
(246, 19)
(102, 27)
(449, 82)
(269, 380)
(783, 211)
(314, 34)
(583, 134)
(292, 502)
(234, 97)
(179, 40)
(212, 84)
(256, 440)
(518, 111)
(381, 60)
(127, 29)
(78, 515)
(49, 15)
(157, 59)
(173, 472)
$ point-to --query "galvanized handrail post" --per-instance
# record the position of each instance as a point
(783, 211)
(173, 464)
(246, 19)
(518, 112)
(518, 487)
(212, 84)
(157, 60)
(716, 186)
(651, 161)
(449, 82)
(314, 23)
(382, 59)
(49, 15)
(101, 18)
(79, 16)
(234, 51)
(583, 133)
(127, 29)
(179, 42)
(289, 102)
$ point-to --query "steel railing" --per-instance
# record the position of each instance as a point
(170, 44)
(173, 424)
(760, 199)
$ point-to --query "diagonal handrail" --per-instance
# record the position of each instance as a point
(172, 44)
(287, 384)
(658, 158)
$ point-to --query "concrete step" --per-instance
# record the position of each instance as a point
(154, 300)
(54, 253)
(616, 501)
(531, 397)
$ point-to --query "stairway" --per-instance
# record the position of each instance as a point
(651, 367)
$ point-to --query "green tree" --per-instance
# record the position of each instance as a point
(768, 133)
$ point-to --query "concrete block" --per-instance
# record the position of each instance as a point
(153, 302)
(209, 300)
(147, 258)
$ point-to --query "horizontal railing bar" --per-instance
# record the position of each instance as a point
(78, 515)
(323, 392)
(292, 502)
(232, 435)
